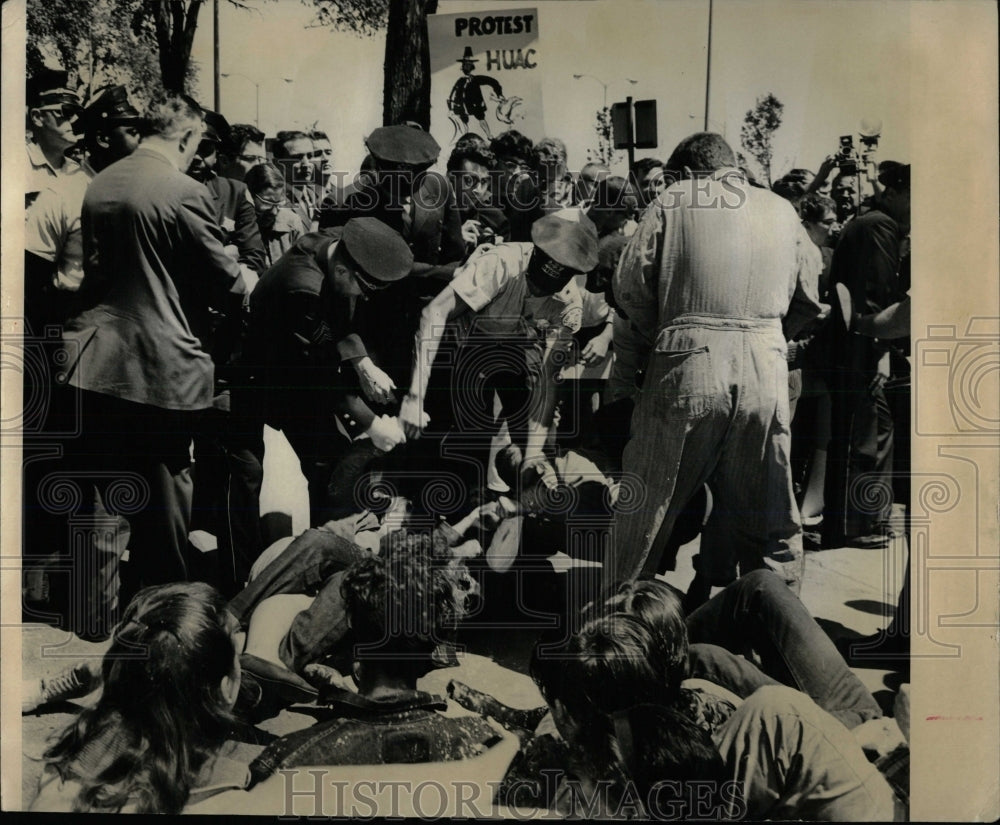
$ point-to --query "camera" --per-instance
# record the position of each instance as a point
(847, 157)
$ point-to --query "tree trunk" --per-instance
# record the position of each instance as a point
(407, 76)
(175, 29)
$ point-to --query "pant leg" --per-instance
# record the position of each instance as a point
(759, 613)
(795, 761)
(858, 492)
(678, 426)
(754, 519)
(303, 567)
(146, 456)
(733, 672)
(319, 447)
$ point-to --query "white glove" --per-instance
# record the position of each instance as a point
(386, 433)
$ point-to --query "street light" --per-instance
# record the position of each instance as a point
(256, 85)
(603, 84)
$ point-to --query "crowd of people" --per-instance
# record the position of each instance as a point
(614, 365)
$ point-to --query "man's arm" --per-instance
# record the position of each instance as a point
(203, 240)
(805, 305)
(444, 308)
(246, 235)
(636, 280)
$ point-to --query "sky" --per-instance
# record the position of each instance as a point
(830, 62)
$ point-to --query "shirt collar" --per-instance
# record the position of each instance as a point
(37, 159)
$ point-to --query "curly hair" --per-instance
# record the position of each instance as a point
(162, 714)
(814, 206)
(243, 133)
(399, 605)
(512, 144)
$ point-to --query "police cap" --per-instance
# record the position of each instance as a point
(111, 107)
(50, 87)
(403, 145)
(216, 128)
(380, 252)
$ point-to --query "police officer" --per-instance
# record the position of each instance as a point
(53, 239)
(515, 307)
(421, 206)
(52, 112)
(296, 353)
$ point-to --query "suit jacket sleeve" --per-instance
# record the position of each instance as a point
(204, 240)
(246, 235)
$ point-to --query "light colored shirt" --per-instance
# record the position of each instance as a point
(52, 229)
(492, 282)
(41, 173)
(718, 247)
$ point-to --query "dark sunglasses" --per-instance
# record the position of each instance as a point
(206, 148)
(65, 110)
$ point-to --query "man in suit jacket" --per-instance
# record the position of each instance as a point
(153, 259)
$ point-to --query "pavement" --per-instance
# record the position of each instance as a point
(851, 592)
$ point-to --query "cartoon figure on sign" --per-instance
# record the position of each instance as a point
(467, 99)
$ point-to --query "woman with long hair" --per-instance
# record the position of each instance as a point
(170, 679)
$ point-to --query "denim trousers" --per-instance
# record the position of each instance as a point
(713, 409)
(759, 616)
(314, 564)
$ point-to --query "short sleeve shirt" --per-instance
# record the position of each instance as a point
(492, 282)
(52, 229)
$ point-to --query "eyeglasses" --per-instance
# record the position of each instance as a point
(472, 180)
(206, 148)
(274, 203)
(64, 110)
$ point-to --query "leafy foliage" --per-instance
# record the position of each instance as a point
(605, 152)
(757, 133)
(364, 17)
(144, 45)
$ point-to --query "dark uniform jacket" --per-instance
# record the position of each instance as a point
(432, 228)
(298, 340)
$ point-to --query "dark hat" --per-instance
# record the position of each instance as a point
(467, 56)
(50, 87)
(110, 107)
(403, 145)
(894, 175)
(568, 239)
(381, 253)
(216, 128)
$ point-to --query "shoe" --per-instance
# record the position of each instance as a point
(72, 683)
(278, 680)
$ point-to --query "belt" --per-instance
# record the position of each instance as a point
(725, 322)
